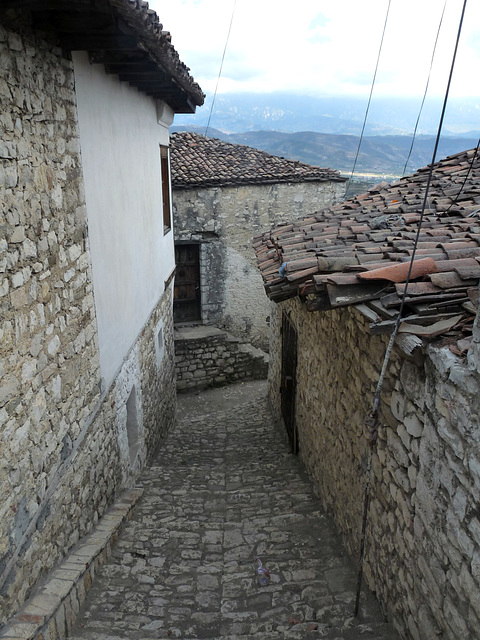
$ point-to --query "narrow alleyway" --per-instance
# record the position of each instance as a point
(223, 490)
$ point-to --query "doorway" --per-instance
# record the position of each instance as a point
(288, 383)
(186, 292)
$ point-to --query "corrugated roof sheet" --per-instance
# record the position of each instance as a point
(355, 253)
(199, 161)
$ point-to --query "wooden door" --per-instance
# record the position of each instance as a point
(186, 292)
(289, 380)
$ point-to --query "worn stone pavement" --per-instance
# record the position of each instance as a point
(223, 490)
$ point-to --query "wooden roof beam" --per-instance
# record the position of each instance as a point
(87, 42)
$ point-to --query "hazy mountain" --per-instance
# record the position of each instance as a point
(237, 113)
(379, 155)
(325, 131)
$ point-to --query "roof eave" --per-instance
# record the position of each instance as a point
(124, 35)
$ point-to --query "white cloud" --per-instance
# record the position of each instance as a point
(324, 46)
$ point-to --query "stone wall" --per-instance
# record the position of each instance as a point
(67, 445)
(225, 220)
(209, 357)
(423, 536)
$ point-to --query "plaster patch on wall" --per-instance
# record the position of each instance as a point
(159, 337)
(132, 425)
(129, 416)
(245, 300)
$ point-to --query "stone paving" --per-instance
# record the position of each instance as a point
(224, 490)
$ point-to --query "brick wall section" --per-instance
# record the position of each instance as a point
(423, 545)
(64, 450)
(209, 357)
(225, 220)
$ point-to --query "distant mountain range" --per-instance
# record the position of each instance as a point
(379, 156)
(325, 131)
(290, 113)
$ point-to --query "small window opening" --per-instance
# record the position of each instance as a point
(132, 425)
(166, 202)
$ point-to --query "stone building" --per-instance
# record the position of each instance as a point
(338, 279)
(87, 94)
(223, 195)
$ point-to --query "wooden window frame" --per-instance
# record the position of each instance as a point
(166, 188)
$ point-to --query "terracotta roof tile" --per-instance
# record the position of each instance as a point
(372, 231)
(199, 161)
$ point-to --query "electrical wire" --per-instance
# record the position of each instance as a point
(426, 89)
(372, 419)
(221, 67)
(475, 154)
(369, 99)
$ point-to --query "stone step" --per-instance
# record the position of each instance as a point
(350, 630)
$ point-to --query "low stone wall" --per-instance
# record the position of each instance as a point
(423, 535)
(208, 357)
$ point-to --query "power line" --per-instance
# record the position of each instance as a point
(221, 67)
(426, 89)
(370, 97)
(372, 420)
(475, 154)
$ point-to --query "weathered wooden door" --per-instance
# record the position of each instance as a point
(186, 300)
(289, 380)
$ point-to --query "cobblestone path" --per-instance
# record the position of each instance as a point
(223, 490)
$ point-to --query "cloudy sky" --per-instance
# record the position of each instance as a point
(321, 47)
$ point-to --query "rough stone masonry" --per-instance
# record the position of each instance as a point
(423, 534)
(65, 450)
(224, 220)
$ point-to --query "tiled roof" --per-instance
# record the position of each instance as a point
(146, 23)
(198, 161)
(124, 35)
(358, 253)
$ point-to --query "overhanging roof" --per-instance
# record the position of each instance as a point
(357, 253)
(123, 35)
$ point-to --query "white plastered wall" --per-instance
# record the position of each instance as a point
(121, 131)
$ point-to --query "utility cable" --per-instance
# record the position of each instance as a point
(372, 420)
(221, 67)
(370, 98)
(475, 154)
(426, 89)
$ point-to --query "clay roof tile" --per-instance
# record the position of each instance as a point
(374, 235)
(199, 161)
